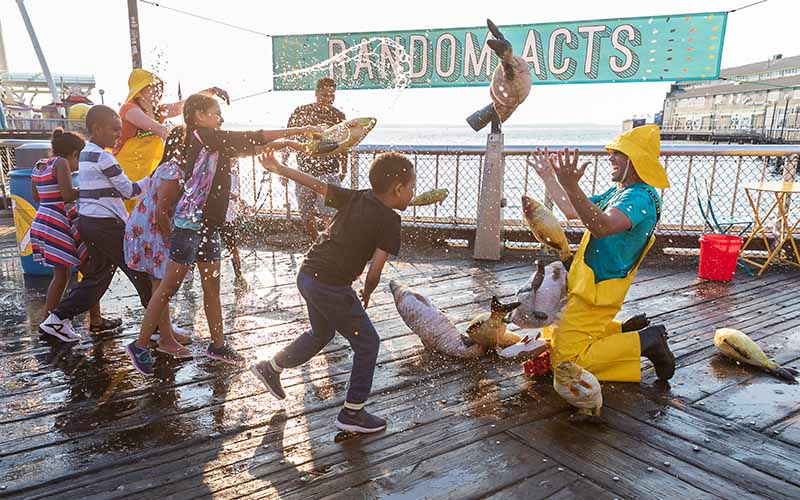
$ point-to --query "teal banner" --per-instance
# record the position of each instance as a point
(657, 48)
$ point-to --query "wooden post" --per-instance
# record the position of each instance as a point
(489, 230)
(136, 42)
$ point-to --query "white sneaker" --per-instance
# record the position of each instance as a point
(181, 331)
(175, 329)
(527, 345)
(59, 328)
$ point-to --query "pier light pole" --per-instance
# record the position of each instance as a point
(133, 24)
(489, 226)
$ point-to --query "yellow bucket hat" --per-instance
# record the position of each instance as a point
(642, 145)
(138, 80)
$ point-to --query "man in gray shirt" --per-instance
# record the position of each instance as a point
(330, 169)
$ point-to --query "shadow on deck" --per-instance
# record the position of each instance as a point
(79, 422)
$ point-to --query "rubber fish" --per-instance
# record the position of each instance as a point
(430, 197)
(340, 137)
(489, 329)
(545, 227)
(578, 387)
(739, 347)
(543, 296)
(511, 81)
(431, 325)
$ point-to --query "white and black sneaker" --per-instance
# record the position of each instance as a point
(58, 328)
(359, 421)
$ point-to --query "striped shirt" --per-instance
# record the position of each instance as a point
(103, 184)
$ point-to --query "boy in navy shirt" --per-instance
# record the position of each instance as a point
(365, 227)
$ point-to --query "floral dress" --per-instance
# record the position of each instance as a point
(145, 250)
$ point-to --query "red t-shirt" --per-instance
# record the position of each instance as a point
(129, 130)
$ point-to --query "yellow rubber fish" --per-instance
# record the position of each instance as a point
(578, 387)
(545, 227)
(489, 329)
(340, 137)
(430, 197)
(739, 347)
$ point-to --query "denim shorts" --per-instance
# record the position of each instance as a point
(187, 247)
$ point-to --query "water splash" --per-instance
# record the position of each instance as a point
(366, 54)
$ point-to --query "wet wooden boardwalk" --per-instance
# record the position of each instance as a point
(80, 423)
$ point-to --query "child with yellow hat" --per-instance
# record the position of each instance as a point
(620, 225)
(141, 143)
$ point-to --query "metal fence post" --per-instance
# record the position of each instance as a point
(488, 232)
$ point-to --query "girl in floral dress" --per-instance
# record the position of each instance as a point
(149, 227)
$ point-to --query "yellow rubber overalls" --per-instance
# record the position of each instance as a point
(588, 334)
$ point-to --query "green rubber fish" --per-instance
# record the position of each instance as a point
(430, 197)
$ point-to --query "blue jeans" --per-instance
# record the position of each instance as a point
(334, 309)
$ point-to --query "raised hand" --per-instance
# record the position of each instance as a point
(270, 162)
(222, 94)
(542, 162)
(567, 170)
(312, 131)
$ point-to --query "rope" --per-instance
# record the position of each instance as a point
(747, 6)
(223, 23)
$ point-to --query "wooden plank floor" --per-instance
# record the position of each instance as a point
(79, 422)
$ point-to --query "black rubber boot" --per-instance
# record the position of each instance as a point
(635, 323)
(654, 347)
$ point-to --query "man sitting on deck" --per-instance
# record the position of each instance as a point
(620, 225)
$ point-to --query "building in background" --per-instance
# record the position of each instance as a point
(757, 102)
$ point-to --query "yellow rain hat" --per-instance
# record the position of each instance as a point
(642, 145)
(138, 80)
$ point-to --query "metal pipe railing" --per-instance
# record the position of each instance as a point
(727, 168)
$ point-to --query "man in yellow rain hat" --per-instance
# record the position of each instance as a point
(620, 225)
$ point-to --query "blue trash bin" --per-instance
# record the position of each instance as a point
(24, 209)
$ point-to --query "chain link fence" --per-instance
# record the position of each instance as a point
(697, 173)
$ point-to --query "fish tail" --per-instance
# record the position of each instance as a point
(499, 307)
(787, 374)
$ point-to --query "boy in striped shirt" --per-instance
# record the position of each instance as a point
(101, 224)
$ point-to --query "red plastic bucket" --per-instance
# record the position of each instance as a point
(718, 255)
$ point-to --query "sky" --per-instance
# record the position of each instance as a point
(91, 37)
